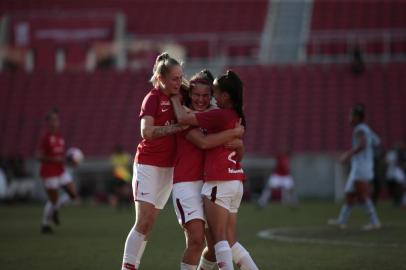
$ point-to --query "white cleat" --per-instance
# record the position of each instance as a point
(335, 222)
(371, 227)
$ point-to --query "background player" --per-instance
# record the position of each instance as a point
(362, 163)
(280, 178)
(52, 171)
(154, 160)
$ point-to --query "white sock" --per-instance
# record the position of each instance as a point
(242, 258)
(63, 199)
(344, 213)
(265, 196)
(223, 255)
(370, 208)
(206, 264)
(47, 213)
(133, 250)
(185, 266)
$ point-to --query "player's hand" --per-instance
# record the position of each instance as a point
(239, 130)
(184, 127)
(344, 157)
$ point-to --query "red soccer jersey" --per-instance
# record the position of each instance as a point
(158, 152)
(282, 165)
(52, 145)
(220, 163)
(189, 163)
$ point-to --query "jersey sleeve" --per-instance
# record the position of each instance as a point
(212, 120)
(149, 105)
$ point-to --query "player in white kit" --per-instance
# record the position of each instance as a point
(362, 173)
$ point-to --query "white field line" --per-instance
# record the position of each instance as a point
(272, 234)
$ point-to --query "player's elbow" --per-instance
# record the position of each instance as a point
(146, 133)
(201, 144)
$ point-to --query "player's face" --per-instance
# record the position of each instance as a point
(353, 119)
(218, 95)
(200, 96)
(172, 81)
(53, 122)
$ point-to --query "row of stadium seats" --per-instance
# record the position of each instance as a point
(307, 107)
(303, 107)
(352, 17)
(355, 14)
(212, 20)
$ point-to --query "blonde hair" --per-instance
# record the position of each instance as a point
(162, 65)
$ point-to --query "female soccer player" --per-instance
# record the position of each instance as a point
(362, 163)
(189, 166)
(155, 157)
(223, 188)
(52, 171)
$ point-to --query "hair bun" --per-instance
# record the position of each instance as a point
(163, 56)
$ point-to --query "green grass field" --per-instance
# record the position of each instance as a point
(92, 237)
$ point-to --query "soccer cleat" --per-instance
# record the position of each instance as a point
(45, 229)
(335, 222)
(371, 227)
(55, 218)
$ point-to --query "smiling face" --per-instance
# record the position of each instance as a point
(200, 96)
(170, 83)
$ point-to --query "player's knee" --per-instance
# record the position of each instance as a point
(144, 224)
(196, 243)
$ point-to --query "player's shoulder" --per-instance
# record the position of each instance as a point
(362, 127)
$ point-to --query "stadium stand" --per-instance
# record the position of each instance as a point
(377, 25)
(199, 25)
(305, 107)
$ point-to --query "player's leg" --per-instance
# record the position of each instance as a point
(49, 208)
(188, 205)
(194, 234)
(208, 258)
(151, 187)
(266, 192)
(241, 256)
(217, 218)
(363, 194)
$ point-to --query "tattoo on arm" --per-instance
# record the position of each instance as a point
(165, 130)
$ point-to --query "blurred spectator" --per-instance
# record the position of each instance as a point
(395, 175)
(357, 60)
(280, 180)
(120, 187)
(3, 181)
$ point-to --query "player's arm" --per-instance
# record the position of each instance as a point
(362, 143)
(150, 132)
(184, 117)
(238, 146)
(202, 141)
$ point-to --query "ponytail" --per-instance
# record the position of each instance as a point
(232, 84)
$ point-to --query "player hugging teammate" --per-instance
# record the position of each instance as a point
(201, 162)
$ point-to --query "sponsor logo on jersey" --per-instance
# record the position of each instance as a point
(230, 157)
(230, 170)
(164, 109)
(191, 212)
